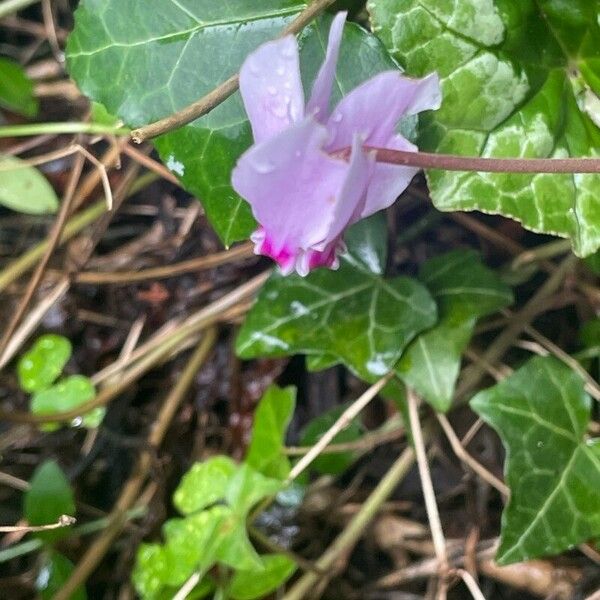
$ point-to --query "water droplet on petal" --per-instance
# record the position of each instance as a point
(279, 110)
(287, 85)
(337, 117)
(298, 153)
(272, 90)
(264, 166)
(280, 70)
(254, 69)
(288, 52)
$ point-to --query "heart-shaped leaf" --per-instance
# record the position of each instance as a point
(67, 394)
(360, 318)
(541, 413)
(516, 80)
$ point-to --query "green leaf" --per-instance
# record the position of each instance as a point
(218, 479)
(246, 585)
(367, 243)
(192, 543)
(332, 464)
(512, 76)
(361, 319)
(247, 487)
(99, 114)
(67, 394)
(465, 290)
(16, 91)
(179, 52)
(271, 420)
(541, 413)
(204, 484)
(41, 365)
(235, 549)
(319, 362)
(152, 570)
(25, 189)
(54, 572)
(48, 497)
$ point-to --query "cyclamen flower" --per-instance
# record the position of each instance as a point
(303, 197)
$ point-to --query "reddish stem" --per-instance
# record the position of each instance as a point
(453, 162)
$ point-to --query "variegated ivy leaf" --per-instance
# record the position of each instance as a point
(541, 413)
(517, 80)
(351, 315)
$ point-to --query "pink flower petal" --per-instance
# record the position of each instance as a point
(354, 191)
(292, 187)
(388, 181)
(374, 108)
(318, 104)
(271, 88)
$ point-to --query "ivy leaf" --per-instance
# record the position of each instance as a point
(337, 463)
(541, 413)
(191, 544)
(42, 364)
(465, 291)
(513, 78)
(25, 189)
(16, 91)
(245, 585)
(360, 318)
(319, 362)
(180, 51)
(204, 484)
(247, 487)
(151, 570)
(49, 497)
(271, 420)
(367, 243)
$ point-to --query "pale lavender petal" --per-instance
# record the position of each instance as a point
(374, 108)
(388, 181)
(354, 191)
(318, 105)
(271, 88)
(293, 188)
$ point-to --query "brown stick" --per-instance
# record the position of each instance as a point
(53, 241)
(224, 90)
(185, 266)
(130, 492)
(151, 352)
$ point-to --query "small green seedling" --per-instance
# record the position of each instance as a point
(38, 371)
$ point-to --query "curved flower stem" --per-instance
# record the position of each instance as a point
(453, 162)
(205, 104)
